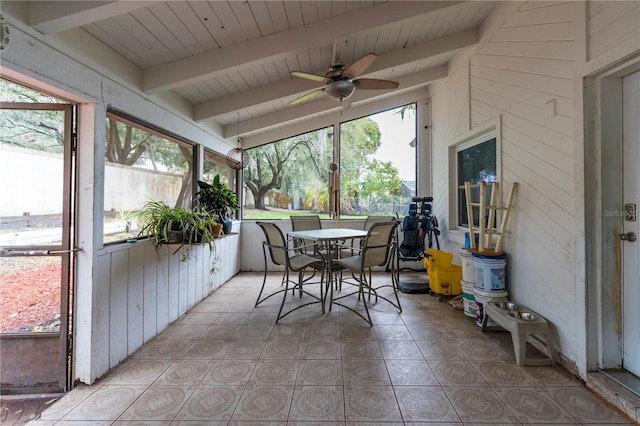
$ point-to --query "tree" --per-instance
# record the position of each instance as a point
(41, 130)
(133, 146)
(359, 139)
(381, 179)
(408, 109)
(123, 145)
(287, 165)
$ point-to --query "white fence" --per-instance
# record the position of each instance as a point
(32, 183)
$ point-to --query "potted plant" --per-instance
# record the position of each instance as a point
(166, 225)
(218, 200)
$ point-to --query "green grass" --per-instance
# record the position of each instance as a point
(252, 214)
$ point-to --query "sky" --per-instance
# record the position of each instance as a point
(396, 135)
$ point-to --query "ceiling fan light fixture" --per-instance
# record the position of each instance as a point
(340, 89)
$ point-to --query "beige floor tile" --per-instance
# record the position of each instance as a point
(282, 349)
(203, 349)
(274, 372)
(317, 403)
(231, 318)
(420, 403)
(425, 332)
(163, 349)
(371, 403)
(392, 332)
(359, 330)
(205, 318)
(138, 372)
(386, 318)
(288, 332)
(410, 372)
(479, 404)
(211, 403)
(242, 349)
(586, 407)
(107, 403)
(329, 330)
(361, 349)
(439, 350)
(229, 372)
(479, 350)
(501, 373)
(365, 372)
(158, 403)
(184, 372)
(400, 349)
(532, 405)
(456, 373)
(220, 331)
(226, 362)
(70, 400)
(264, 403)
(321, 349)
(319, 372)
(552, 376)
(182, 331)
(253, 332)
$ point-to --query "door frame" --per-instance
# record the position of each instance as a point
(602, 94)
(47, 355)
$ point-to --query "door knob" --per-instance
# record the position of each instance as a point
(629, 236)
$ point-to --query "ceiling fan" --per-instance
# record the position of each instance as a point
(341, 82)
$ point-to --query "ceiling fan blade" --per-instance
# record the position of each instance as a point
(309, 76)
(359, 66)
(375, 84)
(306, 97)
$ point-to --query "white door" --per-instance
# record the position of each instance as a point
(631, 223)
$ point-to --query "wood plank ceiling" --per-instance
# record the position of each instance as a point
(231, 60)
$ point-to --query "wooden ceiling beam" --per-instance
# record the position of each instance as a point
(290, 115)
(57, 16)
(252, 52)
(298, 86)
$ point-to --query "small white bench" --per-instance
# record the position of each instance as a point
(520, 322)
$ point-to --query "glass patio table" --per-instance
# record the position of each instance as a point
(327, 239)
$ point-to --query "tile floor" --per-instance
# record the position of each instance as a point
(226, 362)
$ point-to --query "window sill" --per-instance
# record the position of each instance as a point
(457, 235)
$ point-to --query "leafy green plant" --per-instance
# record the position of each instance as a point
(166, 225)
(215, 199)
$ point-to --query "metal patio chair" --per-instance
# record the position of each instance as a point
(281, 252)
(378, 247)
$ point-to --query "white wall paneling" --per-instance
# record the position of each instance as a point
(141, 290)
(523, 73)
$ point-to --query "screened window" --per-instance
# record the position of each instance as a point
(475, 163)
(215, 164)
(378, 163)
(142, 164)
(34, 131)
(375, 170)
(289, 177)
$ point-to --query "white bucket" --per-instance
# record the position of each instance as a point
(468, 299)
(484, 297)
(490, 272)
(468, 268)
